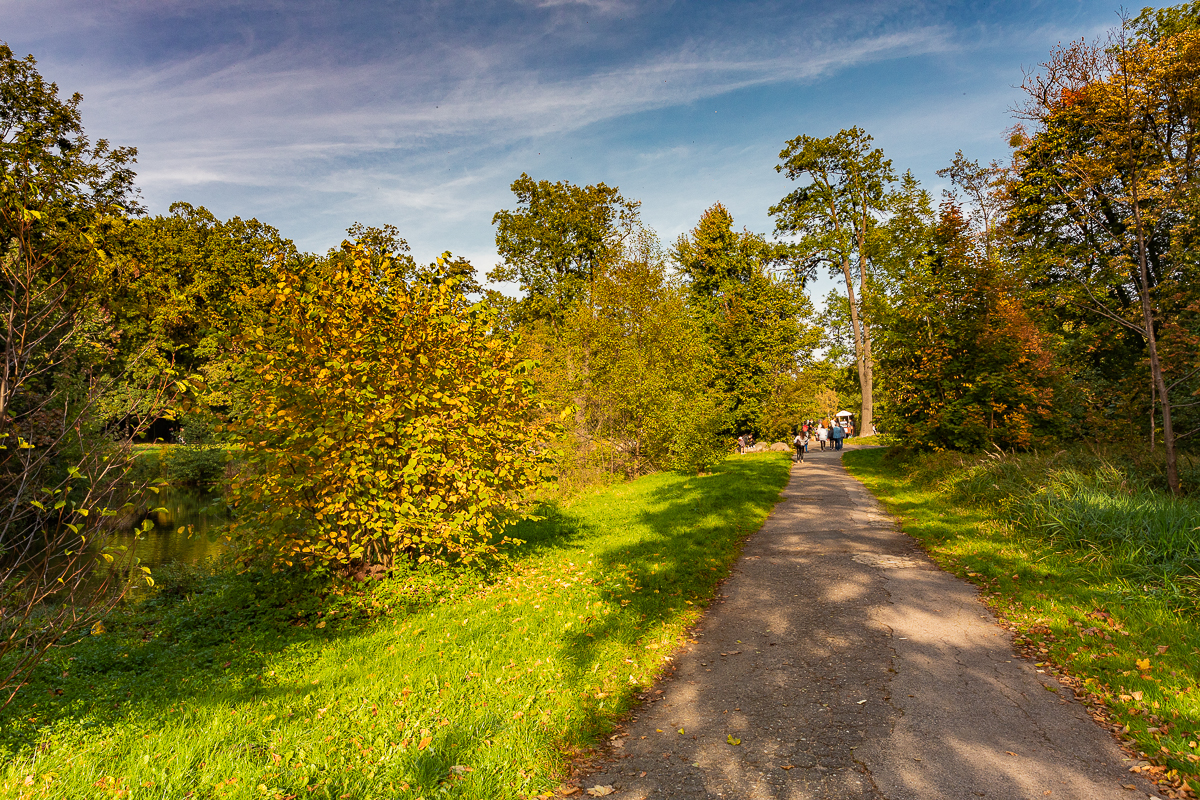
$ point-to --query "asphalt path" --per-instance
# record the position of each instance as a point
(840, 662)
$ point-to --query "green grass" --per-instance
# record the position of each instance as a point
(455, 685)
(1096, 575)
(873, 440)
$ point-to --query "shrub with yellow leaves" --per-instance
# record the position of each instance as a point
(384, 416)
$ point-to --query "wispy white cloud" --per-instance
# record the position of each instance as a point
(273, 118)
(313, 113)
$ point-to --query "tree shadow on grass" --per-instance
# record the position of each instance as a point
(213, 656)
(697, 526)
(551, 526)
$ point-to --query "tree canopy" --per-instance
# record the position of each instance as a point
(558, 240)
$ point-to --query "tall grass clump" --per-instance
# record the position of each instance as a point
(1104, 507)
(1148, 537)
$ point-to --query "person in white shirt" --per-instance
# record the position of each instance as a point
(801, 444)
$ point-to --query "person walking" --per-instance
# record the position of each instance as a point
(838, 434)
(801, 444)
(822, 435)
(741, 445)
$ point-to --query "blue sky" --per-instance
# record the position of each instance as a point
(313, 115)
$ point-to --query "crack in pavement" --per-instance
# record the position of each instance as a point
(878, 676)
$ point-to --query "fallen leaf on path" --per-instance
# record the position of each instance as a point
(787, 766)
(1010, 752)
(733, 740)
(600, 791)
(681, 733)
(567, 791)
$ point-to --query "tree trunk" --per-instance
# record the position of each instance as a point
(1156, 373)
(866, 369)
(862, 346)
(1153, 400)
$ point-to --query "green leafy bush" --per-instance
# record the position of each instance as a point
(184, 465)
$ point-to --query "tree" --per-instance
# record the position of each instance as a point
(557, 242)
(714, 257)
(835, 215)
(60, 471)
(385, 418)
(966, 366)
(753, 320)
(180, 286)
(646, 390)
(984, 186)
(1106, 188)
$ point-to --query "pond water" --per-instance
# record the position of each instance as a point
(200, 513)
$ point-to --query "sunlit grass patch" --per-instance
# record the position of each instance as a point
(462, 687)
(1097, 577)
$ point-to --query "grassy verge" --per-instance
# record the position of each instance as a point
(873, 440)
(1094, 574)
(181, 464)
(455, 685)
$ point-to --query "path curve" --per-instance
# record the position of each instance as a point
(849, 666)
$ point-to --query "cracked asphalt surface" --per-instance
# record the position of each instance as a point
(849, 666)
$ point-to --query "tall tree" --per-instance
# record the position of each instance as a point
(1107, 185)
(558, 240)
(966, 366)
(647, 390)
(752, 318)
(834, 215)
(180, 285)
(984, 186)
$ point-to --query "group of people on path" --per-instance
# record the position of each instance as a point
(826, 435)
(829, 435)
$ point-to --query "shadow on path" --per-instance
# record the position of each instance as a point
(841, 663)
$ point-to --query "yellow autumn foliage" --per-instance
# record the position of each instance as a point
(384, 416)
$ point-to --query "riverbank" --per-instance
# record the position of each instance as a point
(464, 685)
(1096, 576)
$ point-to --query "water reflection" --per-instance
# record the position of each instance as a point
(201, 514)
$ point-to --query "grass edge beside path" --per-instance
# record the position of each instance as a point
(1128, 652)
(484, 689)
